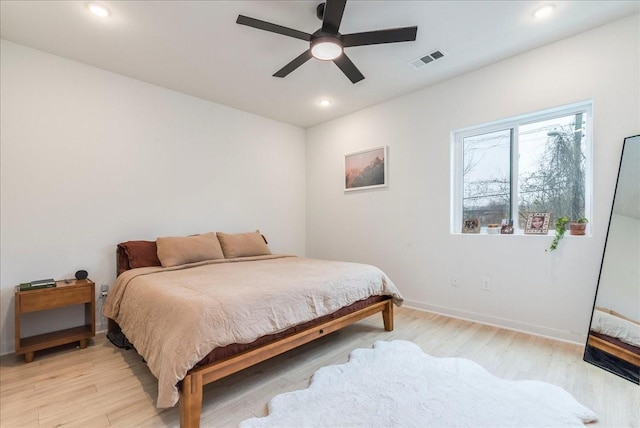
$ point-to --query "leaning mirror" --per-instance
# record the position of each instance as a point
(613, 342)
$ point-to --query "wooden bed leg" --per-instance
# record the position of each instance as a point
(387, 316)
(191, 401)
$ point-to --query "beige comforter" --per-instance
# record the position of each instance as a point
(175, 316)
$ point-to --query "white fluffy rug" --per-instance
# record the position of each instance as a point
(395, 384)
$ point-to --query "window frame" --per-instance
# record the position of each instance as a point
(512, 124)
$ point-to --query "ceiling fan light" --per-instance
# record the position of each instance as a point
(326, 50)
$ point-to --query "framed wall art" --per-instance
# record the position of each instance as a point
(366, 169)
(537, 223)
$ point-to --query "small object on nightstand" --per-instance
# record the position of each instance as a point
(36, 285)
(39, 282)
(81, 274)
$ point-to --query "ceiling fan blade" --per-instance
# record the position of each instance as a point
(301, 59)
(392, 35)
(333, 10)
(274, 28)
(348, 68)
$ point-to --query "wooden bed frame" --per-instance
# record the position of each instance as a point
(613, 349)
(191, 387)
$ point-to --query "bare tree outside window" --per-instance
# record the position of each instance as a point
(558, 184)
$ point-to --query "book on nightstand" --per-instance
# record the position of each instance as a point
(36, 285)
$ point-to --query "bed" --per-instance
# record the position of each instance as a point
(615, 334)
(202, 307)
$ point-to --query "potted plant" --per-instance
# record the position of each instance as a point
(576, 227)
(561, 228)
(579, 226)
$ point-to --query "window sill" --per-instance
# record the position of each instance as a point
(551, 234)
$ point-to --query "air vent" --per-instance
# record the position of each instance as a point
(426, 59)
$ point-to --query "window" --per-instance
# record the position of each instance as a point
(540, 162)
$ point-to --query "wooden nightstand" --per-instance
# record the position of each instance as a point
(65, 293)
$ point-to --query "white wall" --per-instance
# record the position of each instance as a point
(404, 229)
(90, 158)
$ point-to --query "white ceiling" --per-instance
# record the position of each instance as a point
(195, 47)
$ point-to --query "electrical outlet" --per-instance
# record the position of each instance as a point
(486, 283)
(104, 290)
(455, 280)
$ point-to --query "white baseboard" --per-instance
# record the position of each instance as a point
(536, 330)
(7, 348)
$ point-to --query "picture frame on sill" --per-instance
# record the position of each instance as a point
(537, 223)
(471, 225)
(365, 169)
(506, 228)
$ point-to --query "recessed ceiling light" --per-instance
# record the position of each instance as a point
(324, 102)
(98, 10)
(544, 11)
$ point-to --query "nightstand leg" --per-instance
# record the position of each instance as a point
(28, 357)
(83, 343)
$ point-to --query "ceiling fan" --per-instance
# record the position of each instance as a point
(327, 43)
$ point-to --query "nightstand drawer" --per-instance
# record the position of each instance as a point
(38, 300)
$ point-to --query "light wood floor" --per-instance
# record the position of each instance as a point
(103, 386)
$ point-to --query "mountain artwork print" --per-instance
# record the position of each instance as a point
(365, 169)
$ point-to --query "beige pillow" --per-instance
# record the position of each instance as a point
(619, 315)
(178, 250)
(243, 244)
